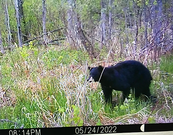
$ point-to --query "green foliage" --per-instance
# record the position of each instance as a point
(37, 98)
(48, 94)
(44, 85)
(54, 58)
(76, 116)
(98, 123)
(23, 52)
(166, 64)
(166, 68)
(24, 113)
(151, 120)
(96, 99)
(155, 2)
(88, 8)
(129, 107)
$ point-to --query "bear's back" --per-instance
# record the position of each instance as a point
(133, 66)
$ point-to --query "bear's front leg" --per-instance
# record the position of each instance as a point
(107, 91)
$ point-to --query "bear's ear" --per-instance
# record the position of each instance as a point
(100, 68)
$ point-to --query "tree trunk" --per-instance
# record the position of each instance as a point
(44, 22)
(126, 31)
(1, 45)
(23, 20)
(110, 20)
(145, 24)
(103, 23)
(171, 12)
(7, 22)
(136, 17)
(18, 18)
(71, 20)
(87, 45)
(157, 19)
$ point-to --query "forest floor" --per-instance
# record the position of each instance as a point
(48, 88)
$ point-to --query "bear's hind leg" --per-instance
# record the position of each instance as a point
(146, 92)
(138, 90)
(141, 89)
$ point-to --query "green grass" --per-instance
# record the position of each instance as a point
(166, 64)
(47, 88)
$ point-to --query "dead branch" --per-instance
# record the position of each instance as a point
(27, 41)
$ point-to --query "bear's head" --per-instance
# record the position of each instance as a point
(95, 73)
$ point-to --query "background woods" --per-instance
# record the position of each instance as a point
(128, 28)
(47, 45)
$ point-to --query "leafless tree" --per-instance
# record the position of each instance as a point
(44, 22)
(7, 22)
(145, 24)
(103, 23)
(110, 20)
(18, 18)
(86, 43)
(71, 20)
(1, 45)
(75, 33)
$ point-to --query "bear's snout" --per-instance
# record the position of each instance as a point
(90, 79)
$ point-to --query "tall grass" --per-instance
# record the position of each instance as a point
(48, 88)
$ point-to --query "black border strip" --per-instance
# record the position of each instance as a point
(91, 129)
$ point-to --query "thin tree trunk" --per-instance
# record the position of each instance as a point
(137, 26)
(171, 10)
(103, 23)
(44, 22)
(127, 39)
(145, 24)
(18, 18)
(7, 22)
(160, 26)
(1, 45)
(110, 20)
(157, 19)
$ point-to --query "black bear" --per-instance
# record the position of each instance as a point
(124, 76)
